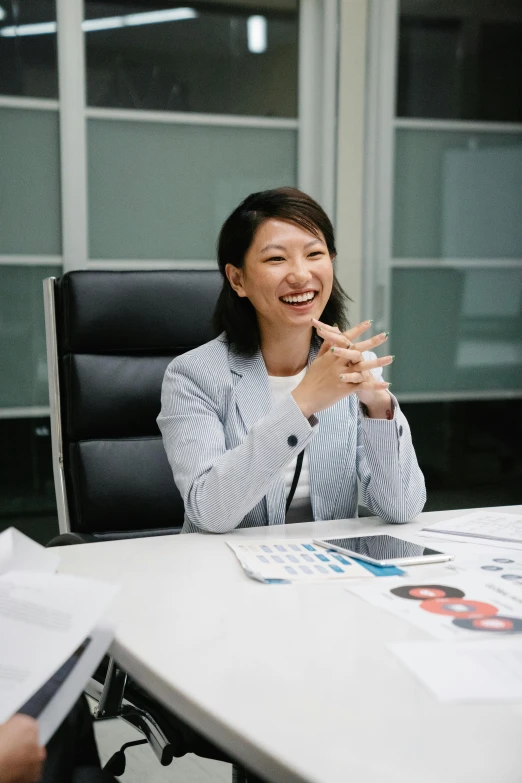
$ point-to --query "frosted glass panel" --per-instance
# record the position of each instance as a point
(456, 330)
(457, 195)
(23, 380)
(162, 191)
(30, 182)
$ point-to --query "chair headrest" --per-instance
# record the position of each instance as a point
(136, 312)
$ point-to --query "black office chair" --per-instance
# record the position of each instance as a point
(110, 337)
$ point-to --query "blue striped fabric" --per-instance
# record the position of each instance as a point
(228, 447)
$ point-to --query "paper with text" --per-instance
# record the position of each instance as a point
(44, 618)
(488, 527)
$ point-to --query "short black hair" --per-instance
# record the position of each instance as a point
(236, 315)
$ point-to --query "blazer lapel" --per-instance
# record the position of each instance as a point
(251, 386)
(254, 401)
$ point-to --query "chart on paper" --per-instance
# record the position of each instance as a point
(292, 561)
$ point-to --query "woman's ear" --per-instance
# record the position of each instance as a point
(235, 278)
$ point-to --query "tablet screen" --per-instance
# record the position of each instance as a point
(382, 547)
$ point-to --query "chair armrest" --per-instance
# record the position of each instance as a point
(66, 539)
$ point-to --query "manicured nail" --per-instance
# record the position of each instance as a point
(369, 321)
(341, 377)
(386, 334)
(332, 349)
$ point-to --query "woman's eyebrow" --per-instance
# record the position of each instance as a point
(272, 247)
(282, 247)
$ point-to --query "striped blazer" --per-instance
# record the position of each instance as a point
(228, 447)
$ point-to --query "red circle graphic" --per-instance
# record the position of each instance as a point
(459, 607)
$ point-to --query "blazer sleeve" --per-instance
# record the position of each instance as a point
(391, 481)
(220, 486)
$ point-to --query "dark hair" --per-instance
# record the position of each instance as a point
(236, 315)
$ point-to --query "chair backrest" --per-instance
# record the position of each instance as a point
(110, 337)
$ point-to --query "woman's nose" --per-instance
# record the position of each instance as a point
(299, 272)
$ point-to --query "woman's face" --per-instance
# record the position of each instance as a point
(287, 275)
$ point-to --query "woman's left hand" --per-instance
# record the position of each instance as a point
(378, 401)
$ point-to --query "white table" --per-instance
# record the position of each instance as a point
(296, 681)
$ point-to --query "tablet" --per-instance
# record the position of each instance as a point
(384, 550)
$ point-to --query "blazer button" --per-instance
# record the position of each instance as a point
(292, 441)
(400, 431)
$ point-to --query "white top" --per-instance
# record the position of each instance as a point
(296, 681)
(301, 508)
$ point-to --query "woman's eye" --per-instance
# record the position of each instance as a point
(316, 253)
(275, 258)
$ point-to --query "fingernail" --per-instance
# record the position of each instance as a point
(332, 349)
(386, 334)
(341, 377)
(369, 321)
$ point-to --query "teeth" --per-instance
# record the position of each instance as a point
(299, 298)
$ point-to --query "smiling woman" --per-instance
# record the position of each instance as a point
(238, 414)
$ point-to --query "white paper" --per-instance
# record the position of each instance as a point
(20, 553)
(485, 671)
(44, 618)
(463, 607)
(491, 527)
(504, 564)
(294, 561)
(61, 703)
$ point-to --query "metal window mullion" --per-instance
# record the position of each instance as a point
(379, 210)
(28, 412)
(33, 104)
(73, 149)
(192, 118)
(457, 126)
(317, 90)
(308, 92)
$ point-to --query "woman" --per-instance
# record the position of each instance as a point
(280, 380)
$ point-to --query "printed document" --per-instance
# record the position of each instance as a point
(459, 607)
(485, 671)
(290, 560)
(493, 528)
(48, 621)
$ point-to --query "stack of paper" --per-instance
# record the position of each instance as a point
(53, 632)
(493, 528)
(477, 619)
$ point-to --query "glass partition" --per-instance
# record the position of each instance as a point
(163, 190)
(28, 64)
(456, 329)
(23, 355)
(457, 194)
(217, 57)
(460, 59)
(30, 182)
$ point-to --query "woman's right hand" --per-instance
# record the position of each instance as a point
(332, 377)
(21, 755)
